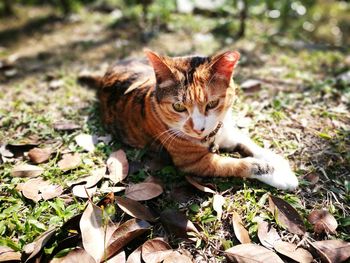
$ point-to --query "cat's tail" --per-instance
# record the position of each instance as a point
(90, 79)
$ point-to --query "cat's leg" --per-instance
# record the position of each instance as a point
(282, 176)
(210, 164)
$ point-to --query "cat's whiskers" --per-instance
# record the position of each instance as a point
(174, 137)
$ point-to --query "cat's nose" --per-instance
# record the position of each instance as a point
(199, 131)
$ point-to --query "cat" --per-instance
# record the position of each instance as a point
(184, 104)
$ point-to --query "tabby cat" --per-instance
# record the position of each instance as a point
(184, 104)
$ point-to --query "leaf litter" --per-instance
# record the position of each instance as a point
(118, 166)
(26, 170)
(37, 189)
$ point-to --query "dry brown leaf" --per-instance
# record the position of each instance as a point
(37, 189)
(251, 85)
(177, 223)
(251, 253)
(69, 161)
(120, 257)
(113, 189)
(39, 243)
(94, 231)
(38, 155)
(91, 180)
(135, 256)
(240, 232)
(287, 215)
(18, 149)
(50, 191)
(291, 250)
(323, 221)
(65, 126)
(267, 234)
(333, 251)
(135, 209)
(118, 166)
(218, 202)
(86, 141)
(176, 257)
(124, 234)
(313, 178)
(26, 170)
(8, 254)
(155, 250)
(77, 255)
(143, 191)
(83, 192)
(200, 187)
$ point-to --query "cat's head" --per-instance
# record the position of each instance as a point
(194, 93)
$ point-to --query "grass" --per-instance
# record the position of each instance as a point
(300, 112)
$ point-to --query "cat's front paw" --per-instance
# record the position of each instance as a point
(281, 177)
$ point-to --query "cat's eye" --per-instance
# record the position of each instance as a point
(179, 106)
(212, 104)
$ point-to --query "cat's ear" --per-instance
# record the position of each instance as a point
(223, 64)
(161, 69)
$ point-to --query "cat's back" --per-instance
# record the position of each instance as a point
(123, 95)
(126, 73)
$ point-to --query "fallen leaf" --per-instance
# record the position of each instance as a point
(77, 255)
(143, 191)
(38, 155)
(118, 258)
(176, 257)
(267, 234)
(94, 231)
(65, 126)
(26, 170)
(323, 221)
(333, 251)
(135, 209)
(8, 254)
(91, 180)
(114, 189)
(287, 216)
(240, 232)
(313, 178)
(86, 141)
(118, 166)
(200, 187)
(291, 250)
(69, 161)
(5, 152)
(251, 85)
(39, 243)
(124, 234)
(218, 202)
(18, 149)
(251, 253)
(37, 189)
(50, 191)
(135, 256)
(155, 250)
(83, 192)
(177, 223)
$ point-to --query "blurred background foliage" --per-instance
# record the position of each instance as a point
(325, 22)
